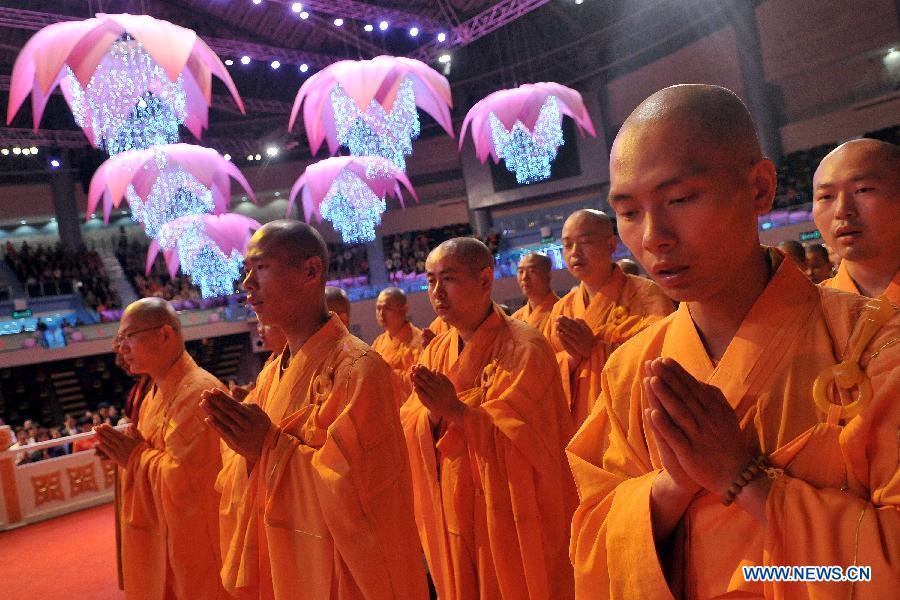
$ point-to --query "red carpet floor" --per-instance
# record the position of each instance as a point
(69, 557)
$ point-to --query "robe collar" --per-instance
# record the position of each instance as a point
(609, 292)
(168, 384)
(465, 367)
(843, 281)
(786, 304)
(404, 337)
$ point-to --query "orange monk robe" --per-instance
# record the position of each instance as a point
(626, 305)
(835, 504)
(169, 505)
(538, 316)
(438, 326)
(842, 281)
(493, 497)
(326, 512)
(400, 353)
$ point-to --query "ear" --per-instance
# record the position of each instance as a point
(613, 242)
(764, 182)
(486, 278)
(314, 268)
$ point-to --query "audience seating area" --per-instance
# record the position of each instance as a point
(405, 253)
(132, 255)
(55, 271)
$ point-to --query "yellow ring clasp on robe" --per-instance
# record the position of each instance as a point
(619, 314)
(848, 374)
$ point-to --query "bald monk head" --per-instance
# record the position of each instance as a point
(339, 303)
(818, 265)
(286, 268)
(628, 266)
(795, 251)
(856, 206)
(391, 310)
(688, 180)
(588, 244)
(149, 339)
(533, 276)
(460, 276)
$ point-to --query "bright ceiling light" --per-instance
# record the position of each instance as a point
(304, 15)
(444, 58)
(257, 157)
(33, 150)
(54, 163)
(368, 27)
(383, 25)
(17, 150)
(249, 157)
(275, 64)
(272, 151)
(227, 156)
(257, 1)
(442, 37)
(304, 68)
(245, 60)
(296, 7)
(413, 31)
(5, 152)
(338, 22)
(228, 62)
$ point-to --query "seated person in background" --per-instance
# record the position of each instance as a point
(856, 206)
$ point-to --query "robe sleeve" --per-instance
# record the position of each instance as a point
(812, 526)
(612, 546)
(351, 453)
(514, 445)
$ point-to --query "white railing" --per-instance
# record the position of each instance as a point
(40, 490)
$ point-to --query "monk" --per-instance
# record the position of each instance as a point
(168, 510)
(818, 265)
(484, 428)
(339, 303)
(533, 277)
(606, 309)
(794, 250)
(272, 340)
(856, 206)
(628, 266)
(316, 490)
(732, 442)
(401, 343)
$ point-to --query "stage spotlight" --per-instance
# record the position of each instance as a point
(413, 31)
(26, 151)
(5, 152)
(383, 25)
(257, 157)
(245, 60)
(442, 37)
(249, 157)
(17, 150)
(33, 150)
(271, 151)
(275, 64)
(338, 22)
(368, 27)
(296, 7)
(304, 68)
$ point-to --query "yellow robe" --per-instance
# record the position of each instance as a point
(400, 353)
(842, 281)
(327, 510)
(438, 326)
(493, 497)
(168, 513)
(627, 305)
(835, 504)
(536, 317)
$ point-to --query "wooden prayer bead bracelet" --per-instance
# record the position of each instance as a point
(751, 471)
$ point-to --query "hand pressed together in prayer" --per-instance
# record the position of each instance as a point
(240, 392)
(437, 393)
(116, 446)
(242, 426)
(576, 337)
(701, 444)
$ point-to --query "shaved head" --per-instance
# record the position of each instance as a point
(537, 260)
(392, 294)
(869, 150)
(595, 219)
(795, 250)
(292, 242)
(714, 114)
(337, 299)
(628, 266)
(467, 251)
(153, 312)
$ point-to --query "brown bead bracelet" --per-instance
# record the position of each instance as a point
(750, 472)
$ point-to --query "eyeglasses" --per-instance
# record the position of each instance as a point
(126, 337)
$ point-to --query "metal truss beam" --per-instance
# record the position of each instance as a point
(482, 24)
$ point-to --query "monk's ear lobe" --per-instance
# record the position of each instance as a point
(764, 179)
